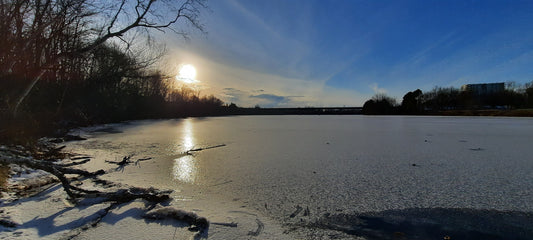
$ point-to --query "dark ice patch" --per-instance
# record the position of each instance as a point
(431, 223)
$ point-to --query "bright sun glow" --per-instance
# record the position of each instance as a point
(187, 74)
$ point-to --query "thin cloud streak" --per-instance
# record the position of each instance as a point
(233, 84)
(325, 51)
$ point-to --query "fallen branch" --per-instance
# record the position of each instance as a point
(72, 185)
(7, 158)
(125, 161)
(130, 194)
(60, 170)
(73, 163)
(232, 224)
(201, 149)
(197, 223)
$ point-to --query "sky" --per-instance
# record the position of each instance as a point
(301, 53)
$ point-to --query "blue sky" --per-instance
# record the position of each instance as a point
(286, 53)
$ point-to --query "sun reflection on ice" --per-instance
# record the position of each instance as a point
(185, 169)
(185, 166)
(188, 136)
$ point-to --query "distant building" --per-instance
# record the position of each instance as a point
(484, 88)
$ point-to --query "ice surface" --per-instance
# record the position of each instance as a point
(330, 167)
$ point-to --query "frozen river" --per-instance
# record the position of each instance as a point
(339, 176)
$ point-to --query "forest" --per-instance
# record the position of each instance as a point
(67, 63)
(454, 101)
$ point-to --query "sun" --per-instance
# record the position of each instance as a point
(187, 71)
(187, 74)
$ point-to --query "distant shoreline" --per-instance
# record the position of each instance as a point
(485, 112)
(358, 111)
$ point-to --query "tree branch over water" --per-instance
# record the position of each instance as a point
(47, 38)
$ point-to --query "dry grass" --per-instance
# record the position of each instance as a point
(4, 174)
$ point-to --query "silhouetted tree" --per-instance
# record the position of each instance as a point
(529, 94)
(440, 98)
(380, 104)
(411, 102)
(449, 98)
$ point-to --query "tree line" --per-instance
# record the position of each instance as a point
(75, 62)
(439, 99)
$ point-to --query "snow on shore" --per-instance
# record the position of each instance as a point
(49, 215)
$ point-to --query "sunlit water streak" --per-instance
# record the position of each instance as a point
(185, 167)
(333, 164)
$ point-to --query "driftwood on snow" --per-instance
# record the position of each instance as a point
(116, 197)
(205, 148)
(57, 170)
(197, 222)
(19, 157)
(126, 161)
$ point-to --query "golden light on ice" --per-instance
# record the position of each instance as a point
(188, 136)
(187, 74)
(185, 169)
(185, 166)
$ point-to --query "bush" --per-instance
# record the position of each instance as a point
(380, 104)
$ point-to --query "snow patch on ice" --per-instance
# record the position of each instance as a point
(22, 173)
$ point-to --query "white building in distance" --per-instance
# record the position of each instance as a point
(484, 88)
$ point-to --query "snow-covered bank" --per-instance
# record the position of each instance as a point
(49, 214)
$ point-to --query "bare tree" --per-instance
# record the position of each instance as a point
(45, 37)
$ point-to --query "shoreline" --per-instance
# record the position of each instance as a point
(38, 207)
(486, 113)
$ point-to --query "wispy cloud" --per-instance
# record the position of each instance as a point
(377, 89)
(251, 98)
(270, 100)
(232, 95)
(353, 50)
(254, 19)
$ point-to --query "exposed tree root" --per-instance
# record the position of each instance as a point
(19, 157)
